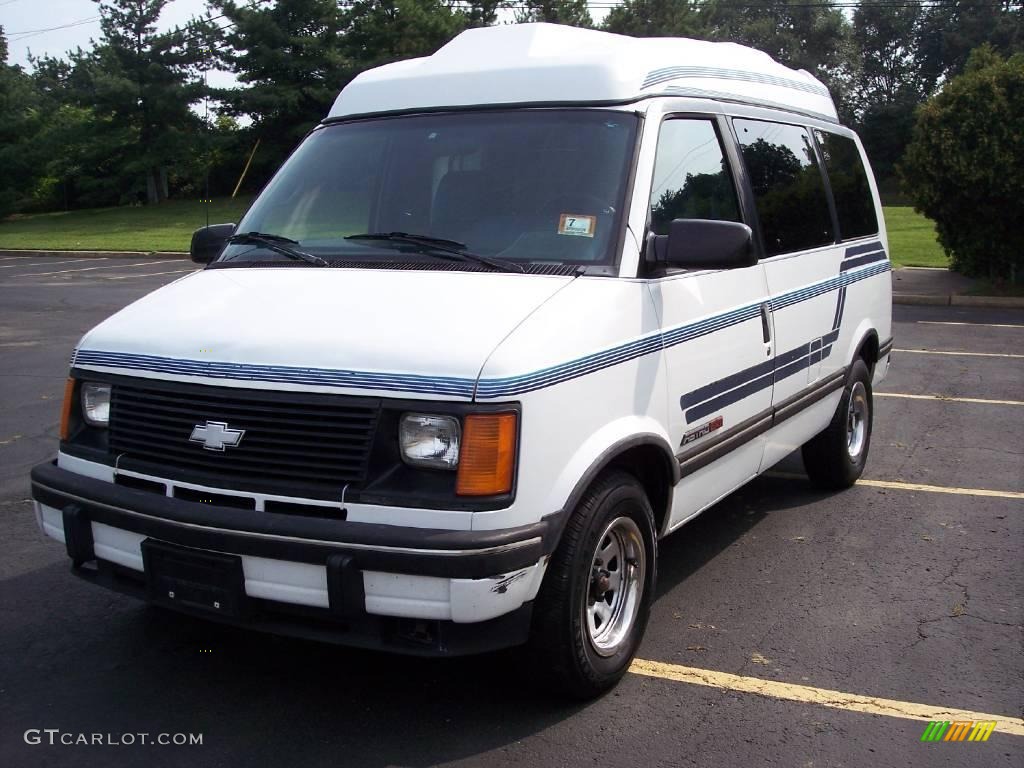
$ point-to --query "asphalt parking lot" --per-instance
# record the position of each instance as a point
(792, 628)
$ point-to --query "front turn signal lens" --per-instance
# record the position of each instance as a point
(65, 413)
(488, 454)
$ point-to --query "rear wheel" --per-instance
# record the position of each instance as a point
(593, 606)
(836, 457)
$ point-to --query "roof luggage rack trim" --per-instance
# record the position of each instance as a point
(674, 73)
(669, 91)
(494, 106)
(701, 93)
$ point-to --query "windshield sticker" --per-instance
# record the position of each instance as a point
(576, 225)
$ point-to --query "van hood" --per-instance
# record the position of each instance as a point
(331, 330)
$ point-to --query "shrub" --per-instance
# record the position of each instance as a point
(964, 167)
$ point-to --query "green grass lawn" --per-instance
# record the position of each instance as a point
(164, 227)
(911, 239)
(169, 227)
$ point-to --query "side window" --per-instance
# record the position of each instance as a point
(691, 178)
(788, 188)
(850, 189)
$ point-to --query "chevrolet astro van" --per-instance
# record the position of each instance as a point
(507, 317)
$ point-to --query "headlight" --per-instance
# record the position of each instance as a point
(430, 441)
(96, 404)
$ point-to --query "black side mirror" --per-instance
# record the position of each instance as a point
(703, 244)
(208, 242)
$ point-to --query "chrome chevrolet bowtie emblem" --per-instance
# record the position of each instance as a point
(216, 435)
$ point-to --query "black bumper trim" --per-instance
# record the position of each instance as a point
(418, 551)
(77, 534)
(414, 637)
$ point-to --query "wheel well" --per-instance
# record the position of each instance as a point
(649, 464)
(868, 351)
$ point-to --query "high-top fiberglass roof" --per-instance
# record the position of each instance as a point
(552, 64)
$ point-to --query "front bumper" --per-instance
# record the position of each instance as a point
(422, 591)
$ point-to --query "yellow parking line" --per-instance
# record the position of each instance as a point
(979, 400)
(978, 325)
(851, 702)
(910, 486)
(941, 489)
(955, 354)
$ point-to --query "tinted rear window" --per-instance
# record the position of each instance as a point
(849, 180)
(788, 187)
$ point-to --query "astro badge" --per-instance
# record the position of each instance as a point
(702, 431)
(577, 225)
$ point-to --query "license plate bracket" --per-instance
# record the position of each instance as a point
(185, 578)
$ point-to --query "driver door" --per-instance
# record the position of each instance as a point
(715, 323)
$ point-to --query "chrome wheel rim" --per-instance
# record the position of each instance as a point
(617, 572)
(857, 421)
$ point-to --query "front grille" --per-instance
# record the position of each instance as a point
(311, 439)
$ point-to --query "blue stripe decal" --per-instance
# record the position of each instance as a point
(737, 386)
(840, 306)
(464, 387)
(861, 261)
(856, 250)
(280, 373)
(752, 387)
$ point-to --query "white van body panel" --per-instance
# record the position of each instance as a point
(607, 342)
(278, 329)
(592, 362)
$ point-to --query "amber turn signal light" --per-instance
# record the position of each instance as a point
(65, 414)
(488, 455)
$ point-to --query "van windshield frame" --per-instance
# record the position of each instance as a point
(531, 187)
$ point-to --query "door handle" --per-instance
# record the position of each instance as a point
(766, 330)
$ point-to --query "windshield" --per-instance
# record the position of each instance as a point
(524, 186)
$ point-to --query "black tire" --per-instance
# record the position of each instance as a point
(833, 459)
(562, 646)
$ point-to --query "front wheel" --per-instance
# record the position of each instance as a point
(593, 606)
(835, 458)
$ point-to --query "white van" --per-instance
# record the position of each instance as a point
(507, 317)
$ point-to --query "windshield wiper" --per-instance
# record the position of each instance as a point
(276, 243)
(452, 249)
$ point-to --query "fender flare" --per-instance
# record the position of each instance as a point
(604, 460)
(866, 330)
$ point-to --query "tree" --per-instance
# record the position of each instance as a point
(382, 31)
(889, 68)
(81, 159)
(964, 168)
(803, 34)
(291, 61)
(951, 29)
(141, 84)
(886, 127)
(480, 13)
(887, 85)
(18, 123)
(655, 18)
(572, 13)
(292, 58)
